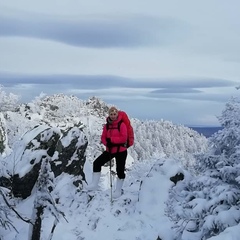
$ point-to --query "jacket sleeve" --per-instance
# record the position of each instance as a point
(104, 135)
(122, 136)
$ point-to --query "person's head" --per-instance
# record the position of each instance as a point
(113, 113)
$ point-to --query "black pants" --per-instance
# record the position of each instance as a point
(106, 157)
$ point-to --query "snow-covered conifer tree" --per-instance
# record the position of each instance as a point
(209, 203)
(8, 102)
(44, 202)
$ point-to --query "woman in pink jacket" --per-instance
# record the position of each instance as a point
(114, 138)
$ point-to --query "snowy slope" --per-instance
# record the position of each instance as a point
(137, 214)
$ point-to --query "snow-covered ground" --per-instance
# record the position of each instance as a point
(137, 214)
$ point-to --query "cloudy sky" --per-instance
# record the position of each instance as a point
(171, 60)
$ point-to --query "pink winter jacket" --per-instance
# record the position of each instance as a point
(116, 136)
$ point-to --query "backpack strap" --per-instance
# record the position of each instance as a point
(119, 124)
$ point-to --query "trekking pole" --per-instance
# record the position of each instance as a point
(110, 168)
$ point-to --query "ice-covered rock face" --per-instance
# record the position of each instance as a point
(65, 150)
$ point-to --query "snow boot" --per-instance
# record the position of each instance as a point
(95, 180)
(118, 191)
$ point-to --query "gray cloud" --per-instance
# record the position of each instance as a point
(97, 32)
(116, 87)
(82, 81)
(192, 95)
(175, 90)
(108, 81)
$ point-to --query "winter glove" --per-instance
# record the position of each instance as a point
(109, 144)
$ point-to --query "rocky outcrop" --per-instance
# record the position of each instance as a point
(178, 177)
(65, 150)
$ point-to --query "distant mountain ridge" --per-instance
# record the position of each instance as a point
(206, 131)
